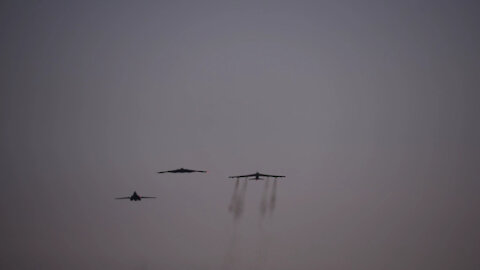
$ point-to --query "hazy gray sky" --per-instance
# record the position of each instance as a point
(369, 107)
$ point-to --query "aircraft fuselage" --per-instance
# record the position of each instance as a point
(135, 197)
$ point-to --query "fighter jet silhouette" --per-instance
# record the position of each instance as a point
(135, 197)
(256, 176)
(182, 170)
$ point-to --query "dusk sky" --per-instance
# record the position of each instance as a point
(370, 109)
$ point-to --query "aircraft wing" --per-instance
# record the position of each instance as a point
(201, 171)
(271, 175)
(241, 176)
(164, 172)
(144, 197)
(122, 198)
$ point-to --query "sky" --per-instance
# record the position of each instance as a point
(368, 107)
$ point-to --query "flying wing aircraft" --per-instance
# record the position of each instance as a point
(135, 197)
(256, 176)
(182, 170)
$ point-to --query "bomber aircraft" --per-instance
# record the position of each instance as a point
(256, 176)
(135, 197)
(182, 170)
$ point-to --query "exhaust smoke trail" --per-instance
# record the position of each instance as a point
(263, 202)
(238, 199)
(264, 238)
(240, 202)
(263, 247)
(273, 198)
(231, 206)
(229, 261)
(236, 207)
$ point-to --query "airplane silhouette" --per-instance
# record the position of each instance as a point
(257, 176)
(182, 170)
(135, 197)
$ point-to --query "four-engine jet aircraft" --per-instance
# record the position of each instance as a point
(182, 170)
(257, 176)
(135, 197)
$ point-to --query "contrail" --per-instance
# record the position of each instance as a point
(263, 202)
(273, 198)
